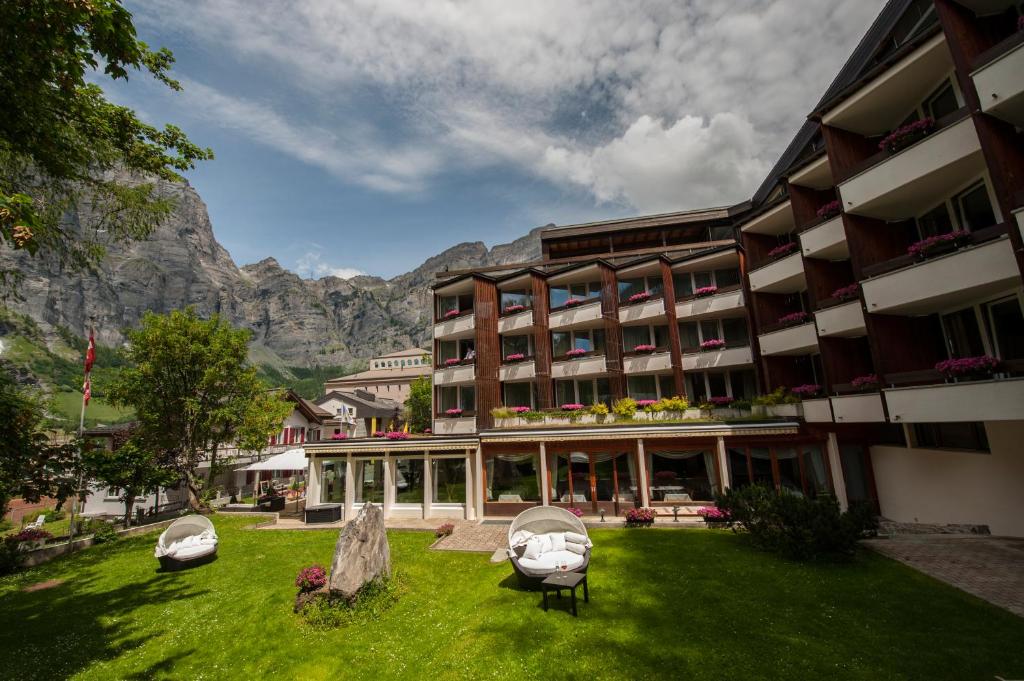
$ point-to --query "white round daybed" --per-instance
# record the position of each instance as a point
(187, 542)
(543, 539)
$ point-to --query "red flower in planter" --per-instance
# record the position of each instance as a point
(573, 302)
(846, 292)
(713, 344)
(782, 250)
(706, 291)
(721, 401)
(453, 412)
(868, 382)
(452, 362)
(829, 210)
(904, 136)
(967, 366)
(572, 407)
(923, 247)
(793, 318)
(808, 390)
(644, 348)
(515, 357)
(451, 314)
(641, 297)
(576, 352)
(513, 309)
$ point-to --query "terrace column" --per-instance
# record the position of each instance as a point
(835, 465)
(428, 486)
(545, 484)
(612, 332)
(389, 484)
(645, 492)
(474, 491)
(313, 481)
(350, 487)
(725, 481)
(542, 342)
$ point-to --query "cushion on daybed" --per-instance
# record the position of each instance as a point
(576, 538)
(551, 560)
(521, 537)
(575, 548)
(533, 548)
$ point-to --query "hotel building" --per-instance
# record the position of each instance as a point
(886, 242)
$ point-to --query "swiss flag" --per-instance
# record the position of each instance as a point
(90, 353)
(86, 390)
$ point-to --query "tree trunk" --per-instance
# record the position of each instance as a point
(194, 501)
(129, 503)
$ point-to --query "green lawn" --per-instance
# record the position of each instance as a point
(665, 604)
(69, 405)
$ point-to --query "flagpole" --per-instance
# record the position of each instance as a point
(90, 354)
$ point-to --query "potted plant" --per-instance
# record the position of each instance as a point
(784, 249)
(968, 368)
(714, 516)
(451, 314)
(575, 353)
(641, 297)
(514, 309)
(644, 349)
(712, 344)
(515, 357)
(705, 291)
(454, 361)
(573, 302)
(866, 383)
(903, 137)
(846, 292)
(938, 245)
(829, 210)
(793, 319)
(639, 517)
(453, 413)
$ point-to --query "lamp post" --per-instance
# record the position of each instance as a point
(601, 511)
(675, 514)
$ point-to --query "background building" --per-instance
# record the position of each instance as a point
(388, 376)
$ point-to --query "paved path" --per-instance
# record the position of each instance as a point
(991, 568)
(485, 537)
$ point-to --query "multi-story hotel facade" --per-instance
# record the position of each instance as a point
(878, 269)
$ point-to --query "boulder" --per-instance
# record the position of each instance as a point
(361, 554)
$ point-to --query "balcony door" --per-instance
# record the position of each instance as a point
(594, 481)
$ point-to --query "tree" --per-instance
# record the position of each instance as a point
(31, 466)
(61, 140)
(418, 405)
(193, 392)
(128, 466)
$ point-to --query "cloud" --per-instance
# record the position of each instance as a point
(658, 105)
(311, 265)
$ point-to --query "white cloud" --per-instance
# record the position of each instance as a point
(663, 104)
(311, 265)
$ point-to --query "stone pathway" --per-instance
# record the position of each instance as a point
(991, 568)
(482, 537)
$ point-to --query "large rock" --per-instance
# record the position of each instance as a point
(361, 555)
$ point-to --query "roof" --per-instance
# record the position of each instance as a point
(658, 220)
(411, 352)
(380, 374)
(306, 407)
(370, 405)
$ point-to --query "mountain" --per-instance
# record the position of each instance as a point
(295, 322)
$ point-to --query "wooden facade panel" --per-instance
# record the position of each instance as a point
(542, 342)
(673, 327)
(486, 303)
(612, 332)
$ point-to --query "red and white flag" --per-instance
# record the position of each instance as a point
(90, 353)
(86, 390)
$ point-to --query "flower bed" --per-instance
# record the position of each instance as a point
(578, 512)
(645, 404)
(396, 435)
(712, 344)
(793, 318)
(847, 292)
(639, 517)
(340, 436)
(829, 210)
(378, 433)
(444, 530)
(714, 516)
(514, 309)
(705, 291)
(576, 352)
(968, 367)
(926, 248)
(644, 349)
(784, 249)
(865, 383)
(311, 578)
(903, 137)
(515, 357)
(806, 391)
(451, 314)
(572, 407)
(641, 297)
(721, 401)
(453, 412)
(573, 302)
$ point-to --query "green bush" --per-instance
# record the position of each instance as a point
(626, 408)
(598, 409)
(323, 612)
(102, 532)
(796, 526)
(673, 404)
(11, 556)
(503, 413)
(534, 416)
(771, 399)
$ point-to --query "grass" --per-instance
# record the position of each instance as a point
(665, 604)
(58, 528)
(69, 405)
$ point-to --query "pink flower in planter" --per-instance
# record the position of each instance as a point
(640, 516)
(427, 431)
(572, 407)
(922, 247)
(513, 309)
(807, 390)
(452, 362)
(846, 292)
(721, 401)
(865, 382)
(515, 357)
(576, 352)
(967, 366)
(396, 435)
(829, 210)
(782, 250)
(641, 297)
(793, 318)
(340, 436)
(575, 511)
(32, 534)
(573, 302)
(453, 412)
(896, 140)
(378, 433)
(643, 404)
(713, 514)
(706, 291)
(644, 348)
(713, 344)
(520, 410)
(451, 314)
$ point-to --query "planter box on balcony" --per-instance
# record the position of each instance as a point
(996, 400)
(730, 357)
(795, 340)
(638, 364)
(592, 365)
(721, 302)
(458, 327)
(460, 373)
(581, 315)
(647, 310)
(862, 408)
(785, 411)
(455, 426)
(521, 321)
(817, 411)
(782, 276)
(519, 371)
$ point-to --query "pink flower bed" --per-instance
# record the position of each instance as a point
(644, 348)
(782, 250)
(575, 511)
(576, 352)
(643, 404)
(967, 366)
(573, 302)
(793, 318)
(639, 516)
(846, 292)
(713, 514)
(340, 436)
(453, 412)
(572, 407)
(451, 314)
(515, 357)
(641, 297)
(32, 534)
(713, 344)
(829, 210)
(396, 435)
(902, 137)
(512, 309)
(868, 382)
(520, 410)
(452, 362)
(378, 433)
(444, 530)
(311, 578)
(721, 401)
(921, 248)
(807, 390)
(706, 291)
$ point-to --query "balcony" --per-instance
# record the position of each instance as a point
(896, 186)
(650, 311)
(463, 425)
(590, 365)
(580, 317)
(718, 359)
(866, 408)
(725, 303)
(844, 321)
(657, 362)
(774, 221)
(997, 400)
(782, 276)
(999, 82)
(817, 411)
(463, 326)
(518, 371)
(521, 321)
(460, 374)
(816, 175)
(826, 241)
(795, 340)
(986, 7)
(942, 282)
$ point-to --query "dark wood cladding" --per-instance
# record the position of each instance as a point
(846, 151)
(873, 241)
(806, 203)
(673, 327)
(488, 350)
(752, 322)
(542, 342)
(612, 332)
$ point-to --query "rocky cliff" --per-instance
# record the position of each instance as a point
(303, 322)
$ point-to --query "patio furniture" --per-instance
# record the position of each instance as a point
(269, 503)
(677, 497)
(187, 542)
(37, 523)
(566, 580)
(536, 523)
(323, 513)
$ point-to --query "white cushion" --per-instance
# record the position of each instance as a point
(557, 541)
(577, 538)
(551, 560)
(575, 548)
(545, 543)
(520, 537)
(533, 548)
(194, 551)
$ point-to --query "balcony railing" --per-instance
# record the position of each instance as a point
(782, 275)
(997, 76)
(732, 355)
(447, 317)
(998, 399)
(650, 308)
(899, 262)
(723, 300)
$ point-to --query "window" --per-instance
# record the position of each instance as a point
(448, 477)
(1007, 323)
(467, 398)
(743, 384)
(689, 337)
(509, 298)
(683, 284)
(446, 304)
(332, 482)
(974, 209)
(943, 102)
(727, 277)
(934, 222)
(629, 287)
(682, 476)
(518, 395)
(369, 479)
(559, 294)
(409, 481)
(967, 436)
(734, 332)
(661, 338)
(642, 387)
(963, 335)
(716, 384)
(513, 478)
(667, 386)
(590, 341)
(515, 345)
(585, 392)
(710, 330)
(633, 336)
(701, 279)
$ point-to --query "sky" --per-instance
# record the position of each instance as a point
(364, 136)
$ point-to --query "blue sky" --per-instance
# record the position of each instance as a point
(367, 135)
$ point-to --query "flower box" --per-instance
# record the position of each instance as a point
(829, 210)
(847, 292)
(452, 362)
(572, 407)
(451, 314)
(903, 137)
(705, 291)
(339, 436)
(712, 344)
(397, 435)
(793, 319)
(721, 401)
(515, 357)
(514, 309)
(786, 411)
(937, 245)
(577, 352)
(639, 517)
(641, 297)
(971, 368)
(784, 249)
(453, 412)
(573, 302)
(806, 391)
(644, 349)
(865, 383)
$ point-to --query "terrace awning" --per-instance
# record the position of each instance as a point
(291, 460)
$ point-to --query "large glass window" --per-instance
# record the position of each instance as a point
(633, 336)
(682, 476)
(409, 481)
(934, 222)
(661, 337)
(854, 462)
(734, 331)
(642, 387)
(447, 350)
(518, 394)
(963, 336)
(789, 470)
(585, 392)
(667, 385)
(815, 471)
(943, 102)
(515, 345)
(739, 473)
(332, 482)
(967, 436)
(565, 392)
(683, 284)
(710, 330)
(467, 398)
(702, 279)
(716, 384)
(727, 277)
(448, 398)
(1007, 328)
(509, 298)
(689, 338)
(974, 210)
(369, 481)
(448, 477)
(513, 478)
(743, 384)
(629, 287)
(761, 465)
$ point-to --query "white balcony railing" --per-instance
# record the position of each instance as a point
(718, 304)
(522, 321)
(846, 320)
(782, 276)
(826, 241)
(796, 340)
(647, 364)
(1000, 86)
(583, 316)
(461, 374)
(518, 371)
(579, 368)
(460, 327)
(717, 359)
(464, 425)
(652, 310)
(998, 400)
(866, 408)
(817, 411)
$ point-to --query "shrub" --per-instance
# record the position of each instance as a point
(626, 408)
(444, 530)
(776, 396)
(674, 404)
(311, 578)
(639, 517)
(598, 409)
(795, 526)
(11, 556)
(533, 416)
(102, 531)
(576, 511)
(741, 404)
(376, 597)
(32, 534)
